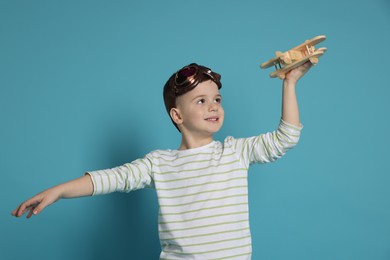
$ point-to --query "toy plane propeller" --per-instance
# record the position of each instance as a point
(289, 60)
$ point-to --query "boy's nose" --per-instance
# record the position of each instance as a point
(213, 107)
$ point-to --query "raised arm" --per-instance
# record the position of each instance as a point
(290, 111)
(75, 188)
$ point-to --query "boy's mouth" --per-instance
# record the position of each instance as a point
(212, 119)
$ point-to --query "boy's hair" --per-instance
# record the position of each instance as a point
(184, 80)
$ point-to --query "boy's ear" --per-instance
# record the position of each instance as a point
(176, 116)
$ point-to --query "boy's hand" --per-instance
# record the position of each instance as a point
(79, 187)
(297, 73)
(37, 203)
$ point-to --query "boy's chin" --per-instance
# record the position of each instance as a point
(216, 130)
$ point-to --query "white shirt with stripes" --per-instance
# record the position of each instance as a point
(202, 192)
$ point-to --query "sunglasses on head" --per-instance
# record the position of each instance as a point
(190, 76)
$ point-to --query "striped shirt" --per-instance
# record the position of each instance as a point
(202, 192)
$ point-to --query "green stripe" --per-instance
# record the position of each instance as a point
(200, 184)
(285, 137)
(199, 176)
(199, 201)
(266, 149)
(276, 140)
(226, 257)
(205, 235)
(202, 192)
(252, 148)
(287, 131)
(216, 242)
(197, 169)
(233, 256)
(140, 176)
(206, 252)
(124, 179)
(186, 163)
(198, 161)
(116, 181)
(109, 181)
(132, 173)
(204, 226)
(144, 163)
(243, 149)
(205, 217)
(101, 181)
(181, 157)
(197, 210)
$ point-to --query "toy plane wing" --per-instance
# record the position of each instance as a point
(287, 61)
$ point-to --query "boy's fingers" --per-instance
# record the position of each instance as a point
(20, 211)
(30, 208)
(26, 206)
(30, 213)
(13, 213)
(34, 205)
(39, 207)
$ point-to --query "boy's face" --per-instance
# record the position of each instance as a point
(199, 112)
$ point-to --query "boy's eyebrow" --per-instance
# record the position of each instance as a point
(201, 96)
(198, 96)
(218, 96)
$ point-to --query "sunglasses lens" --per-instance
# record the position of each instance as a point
(185, 73)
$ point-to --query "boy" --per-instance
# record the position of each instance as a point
(202, 186)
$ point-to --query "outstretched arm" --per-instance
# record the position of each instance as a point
(76, 188)
(290, 111)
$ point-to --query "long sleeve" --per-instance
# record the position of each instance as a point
(267, 147)
(128, 177)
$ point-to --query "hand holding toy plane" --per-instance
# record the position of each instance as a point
(289, 60)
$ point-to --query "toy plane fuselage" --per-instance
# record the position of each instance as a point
(287, 61)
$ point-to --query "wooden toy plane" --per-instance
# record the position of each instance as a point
(284, 62)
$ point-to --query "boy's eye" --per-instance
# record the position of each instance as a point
(218, 100)
(201, 101)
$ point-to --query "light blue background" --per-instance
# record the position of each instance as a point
(81, 89)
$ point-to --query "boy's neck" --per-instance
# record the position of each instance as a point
(191, 142)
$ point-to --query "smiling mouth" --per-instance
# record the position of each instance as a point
(212, 119)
